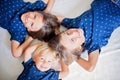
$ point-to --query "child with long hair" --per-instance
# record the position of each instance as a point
(89, 31)
(20, 18)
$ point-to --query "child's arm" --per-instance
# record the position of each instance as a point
(89, 64)
(28, 52)
(50, 4)
(64, 70)
(18, 49)
(60, 18)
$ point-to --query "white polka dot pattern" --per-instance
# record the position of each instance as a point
(98, 23)
(10, 13)
(31, 72)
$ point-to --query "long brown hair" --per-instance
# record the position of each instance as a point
(55, 44)
(51, 25)
(67, 56)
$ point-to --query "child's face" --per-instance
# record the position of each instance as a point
(33, 21)
(72, 39)
(44, 60)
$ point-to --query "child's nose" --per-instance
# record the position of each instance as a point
(29, 22)
(44, 62)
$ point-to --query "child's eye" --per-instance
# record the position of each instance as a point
(72, 40)
(31, 24)
(34, 16)
(67, 33)
(41, 58)
(49, 61)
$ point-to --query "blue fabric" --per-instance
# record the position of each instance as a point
(10, 16)
(31, 72)
(117, 2)
(98, 23)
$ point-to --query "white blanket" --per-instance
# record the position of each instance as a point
(108, 64)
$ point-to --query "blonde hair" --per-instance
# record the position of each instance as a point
(40, 48)
(43, 47)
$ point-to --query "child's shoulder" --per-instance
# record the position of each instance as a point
(28, 62)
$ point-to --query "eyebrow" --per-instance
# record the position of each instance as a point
(66, 33)
(67, 36)
(32, 24)
(35, 16)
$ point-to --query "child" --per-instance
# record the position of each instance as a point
(39, 66)
(89, 31)
(19, 18)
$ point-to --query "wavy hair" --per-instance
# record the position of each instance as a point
(48, 30)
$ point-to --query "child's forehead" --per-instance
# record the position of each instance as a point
(48, 56)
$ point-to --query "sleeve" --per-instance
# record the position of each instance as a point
(76, 22)
(52, 75)
(93, 47)
(55, 75)
(67, 22)
(38, 5)
(18, 36)
(72, 22)
(25, 64)
(18, 31)
(117, 2)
